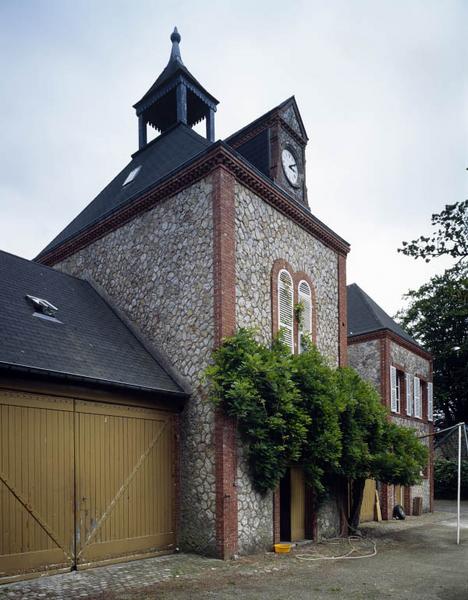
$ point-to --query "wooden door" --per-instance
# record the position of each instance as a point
(297, 504)
(125, 485)
(36, 483)
(399, 495)
(368, 502)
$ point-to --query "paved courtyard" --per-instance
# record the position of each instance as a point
(416, 558)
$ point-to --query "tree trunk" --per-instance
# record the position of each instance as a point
(357, 495)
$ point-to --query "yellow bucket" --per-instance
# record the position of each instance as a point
(282, 548)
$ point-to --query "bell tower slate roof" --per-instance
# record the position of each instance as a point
(173, 104)
(175, 97)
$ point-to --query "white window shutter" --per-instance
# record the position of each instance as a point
(417, 397)
(430, 402)
(305, 298)
(286, 308)
(393, 387)
(409, 394)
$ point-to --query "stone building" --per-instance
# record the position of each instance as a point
(401, 371)
(192, 239)
(107, 349)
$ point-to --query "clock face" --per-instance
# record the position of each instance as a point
(290, 166)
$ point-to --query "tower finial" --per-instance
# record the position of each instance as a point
(175, 52)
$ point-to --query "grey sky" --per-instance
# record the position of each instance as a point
(382, 87)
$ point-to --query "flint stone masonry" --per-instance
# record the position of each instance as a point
(365, 358)
(328, 519)
(412, 363)
(262, 236)
(255, 521)
(289, 116)
(158, 269)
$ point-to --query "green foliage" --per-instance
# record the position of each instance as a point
(449, 239)
(362, 422)
(254, 384)
(437, 315)
(296, 409)
(299, 313)
(402, 456)
(446, 478)
(322, 447)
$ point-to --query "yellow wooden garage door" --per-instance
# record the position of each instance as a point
(368, 502)
(36, 483)
(82, 482)
(124, 481)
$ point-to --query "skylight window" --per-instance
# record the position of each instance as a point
(44, 308)
(131, 176)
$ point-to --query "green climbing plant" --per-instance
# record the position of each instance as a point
(297, 409)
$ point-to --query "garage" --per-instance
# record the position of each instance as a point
(82, 482)
(88, 428)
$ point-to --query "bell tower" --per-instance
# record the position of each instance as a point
(175, 97)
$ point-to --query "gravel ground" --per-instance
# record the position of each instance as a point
(416, 558)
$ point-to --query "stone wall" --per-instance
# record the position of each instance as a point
(158, 269)
(411, 362)
(328, 519)
(262, 236)
(365, 358)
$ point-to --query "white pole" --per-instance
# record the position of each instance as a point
(459, 482)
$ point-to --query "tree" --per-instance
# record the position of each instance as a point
(373, 446)
(296, 409)
(437, 315)
(449, 239)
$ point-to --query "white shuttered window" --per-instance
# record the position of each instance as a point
(430, 402)
(305, 298)
(394, 390)
(286, 308)
(417, 397)
(409, 394)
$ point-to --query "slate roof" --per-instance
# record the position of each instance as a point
(158, 159)
(91, 343)
(170, 72)
(366, 316)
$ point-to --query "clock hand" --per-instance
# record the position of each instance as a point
(292, 167)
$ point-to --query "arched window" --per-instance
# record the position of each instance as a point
(286, 308)
(305, 326)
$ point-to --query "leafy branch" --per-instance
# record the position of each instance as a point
(449, 239)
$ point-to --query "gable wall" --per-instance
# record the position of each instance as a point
(158, 269)
(264, 235)
(365, 358)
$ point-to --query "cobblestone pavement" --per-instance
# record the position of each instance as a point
(416, 559)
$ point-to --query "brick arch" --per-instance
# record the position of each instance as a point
(297, 276)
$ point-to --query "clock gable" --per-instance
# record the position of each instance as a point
(289, 136)
(275, 144)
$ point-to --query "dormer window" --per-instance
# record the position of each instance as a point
(131, 176)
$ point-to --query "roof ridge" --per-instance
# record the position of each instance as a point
(42, 266)
(267, 114)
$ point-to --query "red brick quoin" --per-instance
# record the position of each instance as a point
(224, 268)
